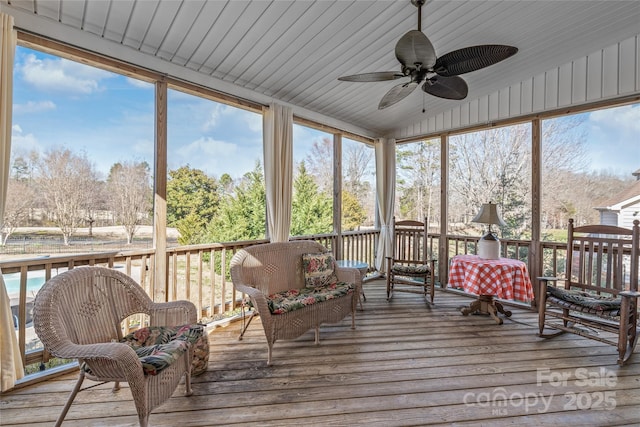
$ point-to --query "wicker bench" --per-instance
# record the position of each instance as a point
(272, 275)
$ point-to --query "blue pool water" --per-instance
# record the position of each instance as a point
(12, 282)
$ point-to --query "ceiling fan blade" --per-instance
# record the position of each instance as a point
(472, 58)
(414, 47)
(396, 94)
(372, 77)
(446, 87)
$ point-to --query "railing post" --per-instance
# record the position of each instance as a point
(159, 291)
(337, 194)
(535, 249)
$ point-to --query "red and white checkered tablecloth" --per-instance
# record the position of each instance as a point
(503, 278)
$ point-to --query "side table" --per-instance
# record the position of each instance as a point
(488, 278)
(363, 267)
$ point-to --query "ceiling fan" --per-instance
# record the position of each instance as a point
(418, 58)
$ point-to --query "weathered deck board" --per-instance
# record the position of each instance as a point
(405, 364)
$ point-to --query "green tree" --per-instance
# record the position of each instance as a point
(241, 215)
(192, 201)
(353, 214)
(311, 210)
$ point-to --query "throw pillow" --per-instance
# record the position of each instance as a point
(318, 269)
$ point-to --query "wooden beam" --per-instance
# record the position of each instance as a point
(443, 245)
(159, 282)
(535, 250)
(337, 193)
(325, 128)
(598, 105)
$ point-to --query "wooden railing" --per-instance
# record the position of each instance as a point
(200, 273)
(134, 263)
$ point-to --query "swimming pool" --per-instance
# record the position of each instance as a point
(35, 280)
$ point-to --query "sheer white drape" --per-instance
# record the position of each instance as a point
(11, 368)
(386, 189)
(278, 169)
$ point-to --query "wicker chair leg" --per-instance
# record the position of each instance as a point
(317, 335)
(116, 387)
(269, 353)
(143, 420)
(72, 396)
(245, 324)
(188, 358)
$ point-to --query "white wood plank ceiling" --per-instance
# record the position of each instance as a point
(294, 51)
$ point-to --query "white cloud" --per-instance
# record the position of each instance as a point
(61, 75)
(612, 136)
(22, 144)
(214, 157)
(214, 115)
(34, 107)
(209, 147)
(622, 119)
(254, 121)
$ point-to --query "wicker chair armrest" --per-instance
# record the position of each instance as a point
(258, 298)
(348, 274)
(173, 313)
(105, 351)
(114, 360)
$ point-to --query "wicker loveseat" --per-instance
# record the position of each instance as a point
(288, 301)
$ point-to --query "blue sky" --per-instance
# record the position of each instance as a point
(60, 103)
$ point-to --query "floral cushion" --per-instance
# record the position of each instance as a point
(200, 355)
(294, 299)
(318, 269)
(585, 301)
(410, 270)
(158, 347)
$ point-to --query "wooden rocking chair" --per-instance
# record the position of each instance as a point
(409, 269)
(600, 295)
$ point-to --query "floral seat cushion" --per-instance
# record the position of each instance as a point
(158, 347)
(294, 299)
(585, 302)
(410, 270)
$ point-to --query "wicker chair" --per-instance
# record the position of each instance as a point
(260, 271)
(78, 315)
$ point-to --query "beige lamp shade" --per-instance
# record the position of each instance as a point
(489, 244)
(489, 214)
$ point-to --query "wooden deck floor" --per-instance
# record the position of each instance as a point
(405, 364)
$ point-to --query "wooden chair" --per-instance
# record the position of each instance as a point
(600, 295)
(78, 315)
(410, 269)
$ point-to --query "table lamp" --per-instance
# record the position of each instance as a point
(489, 244)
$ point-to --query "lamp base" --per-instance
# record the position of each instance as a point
(489, 247)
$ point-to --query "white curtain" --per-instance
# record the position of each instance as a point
(11, 368)
(278, 169)
(386, 189)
